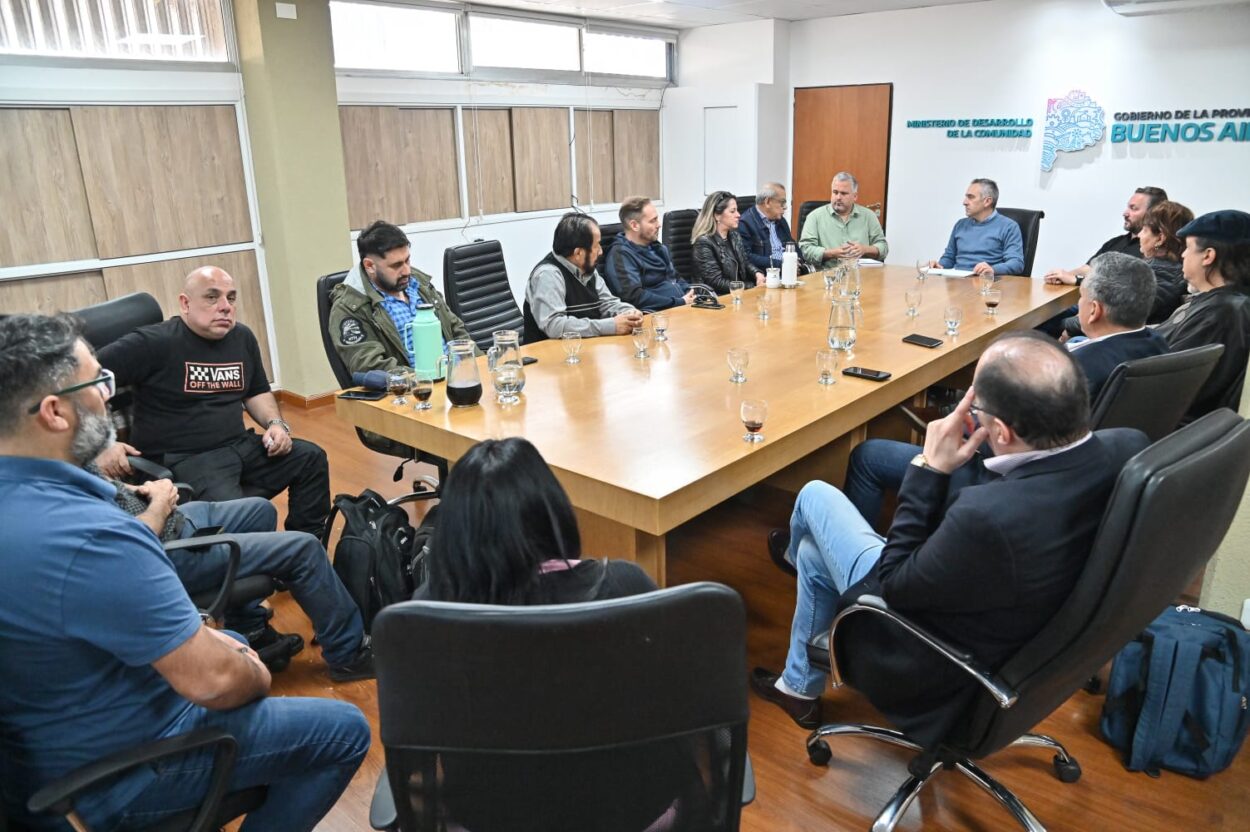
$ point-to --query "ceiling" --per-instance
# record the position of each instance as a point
(687, 14)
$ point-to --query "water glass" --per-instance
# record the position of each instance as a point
(764, 305)
(753, 413)
(507, 379)
(572, 346)
(922, 269)
(660, 321)
(422, 389)
(827, 364)
(398, 383)
(735, 291)
(738, 359)
(953, 316)
(986, 282)
(992, 298)
(643, 336)
(912, 297)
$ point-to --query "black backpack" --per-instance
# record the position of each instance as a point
(378, 557)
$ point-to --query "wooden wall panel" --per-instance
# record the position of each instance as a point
(593, 141)
(430, 176)
(823, 145)
(164, 281)
(52, 294)
(372, 162)
(540, 149)
(488, 161)
(162, 178)
(636, 153)
(46, 219)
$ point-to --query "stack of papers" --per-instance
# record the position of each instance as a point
(868, 263)
(950, 272)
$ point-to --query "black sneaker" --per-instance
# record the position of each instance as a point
(275, 649)
(778, 543)
(360, 667)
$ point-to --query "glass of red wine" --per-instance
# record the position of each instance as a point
(398, 383)
(992, 298)
(422, 389)
(753, 412)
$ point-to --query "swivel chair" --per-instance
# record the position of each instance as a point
(805, 209)
(675, 235)
(1153, 394)
(475, 278)
(1030, 222)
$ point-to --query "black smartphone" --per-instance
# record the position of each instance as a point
(209, 531)
(528, 360)
(700, 303)
(363, 395)
(922, 340)
(864, 372)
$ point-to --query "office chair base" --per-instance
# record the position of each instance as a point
(1066, 768)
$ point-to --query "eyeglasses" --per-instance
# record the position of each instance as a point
(976, 411)
(106, 382)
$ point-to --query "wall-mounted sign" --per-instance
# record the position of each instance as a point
(1155, 127)
(978, 128)
(1073, 123)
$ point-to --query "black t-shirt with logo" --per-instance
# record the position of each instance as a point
(189, 391)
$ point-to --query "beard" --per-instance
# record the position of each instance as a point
(95, 433)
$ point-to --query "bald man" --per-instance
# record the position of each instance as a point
(192, 375)
(981, 553)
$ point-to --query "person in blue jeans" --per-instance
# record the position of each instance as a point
(103, 649)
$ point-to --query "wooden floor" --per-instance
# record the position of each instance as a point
(727, 545)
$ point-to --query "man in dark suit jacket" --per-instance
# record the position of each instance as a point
(982, 554)
(764, 229)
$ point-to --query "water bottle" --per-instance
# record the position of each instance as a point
(790, 266)
(842, 325)
(427, 341)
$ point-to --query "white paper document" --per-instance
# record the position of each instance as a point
(868, 263)
(950, 272)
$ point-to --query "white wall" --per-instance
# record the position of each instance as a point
(1006, 58)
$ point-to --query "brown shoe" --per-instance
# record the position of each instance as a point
(778, 543)
(805, 712)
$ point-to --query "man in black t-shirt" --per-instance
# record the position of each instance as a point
(192, 375)
(1139, 204)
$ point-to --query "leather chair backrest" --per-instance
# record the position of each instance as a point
(103, 323)
(805, 209)
(607, 237)
(745, 203)
(1030, 223)
(475, 280)
(1152, 394)
(676, 238)
(325, 285)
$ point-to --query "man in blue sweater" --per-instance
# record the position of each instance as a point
(639, 269)
(984, 241)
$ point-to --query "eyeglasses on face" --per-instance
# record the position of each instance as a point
(106, 382)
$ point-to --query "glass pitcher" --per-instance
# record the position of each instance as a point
(842, 324)
(851, 284)
(506, 351)
(464, 382)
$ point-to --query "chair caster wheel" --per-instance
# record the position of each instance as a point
(1067, 772)
(819, 754)
(1093, 685)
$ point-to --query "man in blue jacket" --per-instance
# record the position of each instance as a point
(764, 229)
(639, 269)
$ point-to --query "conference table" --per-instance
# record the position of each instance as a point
(643, 445)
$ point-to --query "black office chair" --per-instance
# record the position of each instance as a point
(1164, 520)
(745, 203)
(475, 280)
(1030, 228)
(1153, 394)
(607, 237)
(676, 238)
(379, 444)
(601, 715)
(218, 808)
(805, 209)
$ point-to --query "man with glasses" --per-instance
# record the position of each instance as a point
(103, 650)
(764, 229)
(973, 554)
(192, 375)
(842, 228)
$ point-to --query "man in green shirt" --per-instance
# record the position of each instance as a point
(842, 228)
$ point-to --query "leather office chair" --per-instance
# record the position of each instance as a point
(564, 717)
(1165, 519)
(1030, 228)
(381, 445)
(218, 808)
(676, 238)
(475, 280)
(745, 203)
(1153, 394)
(805, 209)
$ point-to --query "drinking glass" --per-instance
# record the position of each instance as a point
(398, 383)
(852, 283)
(753, 413)
(912, 297)
(827, 364)
(660, 321)
(643, 338)
(922, 269)
(986, 281)
(992, 298)
(953, 317)
(572, 346)
(763, 305)
(735, 291)
(422, 389)
(738, 359)
(507, 379)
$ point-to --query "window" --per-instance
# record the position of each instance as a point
(523, 44)
(174, 30)
(404, 38)
(625, 55)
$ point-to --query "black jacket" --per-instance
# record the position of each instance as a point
(755, 239)
(1099, 358)
(719, 261)
(1217, 316)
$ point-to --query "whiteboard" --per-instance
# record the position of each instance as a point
(720, 146)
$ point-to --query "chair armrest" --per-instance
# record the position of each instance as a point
(748, 782)
(151, 471)
(217, 609)
(58, 796)
(1002, 693)
(382, 808)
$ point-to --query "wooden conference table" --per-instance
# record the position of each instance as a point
(642, 445)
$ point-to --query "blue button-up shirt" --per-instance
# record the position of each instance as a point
(402, 312)
(773, 238)
(995, 240)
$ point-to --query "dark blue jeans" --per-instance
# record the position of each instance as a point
(295, 558)
(305, 750)
(876, 466)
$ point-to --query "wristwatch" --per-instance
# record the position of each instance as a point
(920, 462)
(281, 422)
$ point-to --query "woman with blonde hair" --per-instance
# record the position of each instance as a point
(719, 254)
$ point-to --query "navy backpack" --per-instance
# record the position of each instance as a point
(1176, 698)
